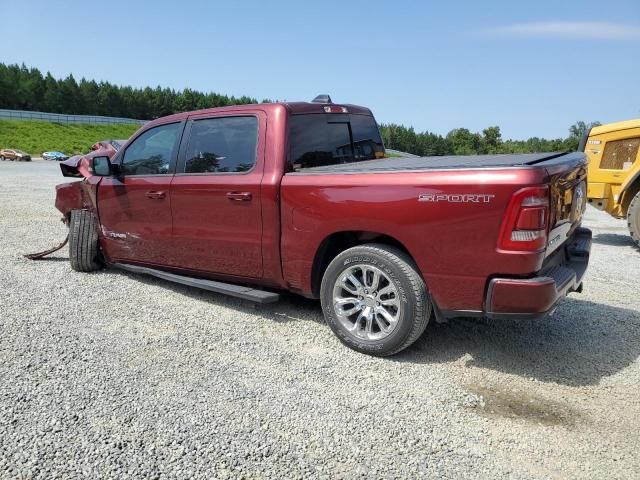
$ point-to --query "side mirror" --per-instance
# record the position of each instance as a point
(101, 166)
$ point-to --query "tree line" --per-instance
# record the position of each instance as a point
(461, 141)
(23, 88)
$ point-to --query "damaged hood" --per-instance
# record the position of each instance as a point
(79, 166)
(76, 166)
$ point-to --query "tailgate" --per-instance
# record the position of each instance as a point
(568, 186)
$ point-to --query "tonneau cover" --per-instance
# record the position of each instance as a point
(428, 163)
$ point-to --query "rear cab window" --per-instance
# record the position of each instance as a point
(321, 139)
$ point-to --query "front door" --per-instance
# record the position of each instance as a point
(215, 195)
(135, 209)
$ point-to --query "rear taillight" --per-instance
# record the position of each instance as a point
(526, 221)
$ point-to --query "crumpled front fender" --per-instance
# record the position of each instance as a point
(77, 195)
(69, 197)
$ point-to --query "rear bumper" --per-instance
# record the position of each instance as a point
(538, 296)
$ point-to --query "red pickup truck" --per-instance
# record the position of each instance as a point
(249, 200)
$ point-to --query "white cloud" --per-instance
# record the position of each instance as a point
(593, 30)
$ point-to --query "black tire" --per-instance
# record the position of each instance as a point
(633, 219)
(413, 296)
(84, 252)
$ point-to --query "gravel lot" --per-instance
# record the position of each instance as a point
(117, 375)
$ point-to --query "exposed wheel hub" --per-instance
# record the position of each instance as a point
(370, 301)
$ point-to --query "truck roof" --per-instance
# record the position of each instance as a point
(614, 127)
(312, 107)
(293, 107)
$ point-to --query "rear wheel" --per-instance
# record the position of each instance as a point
(633, 219)
(83, 242)
(374, 300)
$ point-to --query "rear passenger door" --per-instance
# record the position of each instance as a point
(215, 195)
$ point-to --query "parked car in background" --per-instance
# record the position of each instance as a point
(249, 199)
(14, 155)
(55, 156)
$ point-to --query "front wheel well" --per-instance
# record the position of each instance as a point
(338, 242)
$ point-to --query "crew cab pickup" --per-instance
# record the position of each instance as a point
(256, 199)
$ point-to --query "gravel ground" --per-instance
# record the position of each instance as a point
(117, 375)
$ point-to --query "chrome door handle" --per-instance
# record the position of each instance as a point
(239, 196)
(154, 195)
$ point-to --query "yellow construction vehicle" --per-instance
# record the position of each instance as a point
(614, 171)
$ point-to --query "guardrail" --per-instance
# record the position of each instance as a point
(62, 118)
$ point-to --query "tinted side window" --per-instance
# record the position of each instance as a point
(328, 139)
(151, 152)
(224, 144)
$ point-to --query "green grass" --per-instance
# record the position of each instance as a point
(35, 137)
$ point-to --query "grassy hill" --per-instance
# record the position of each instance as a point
(35, 137)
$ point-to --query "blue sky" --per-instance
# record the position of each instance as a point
(533, 68)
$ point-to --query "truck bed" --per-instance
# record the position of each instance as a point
(395, 164)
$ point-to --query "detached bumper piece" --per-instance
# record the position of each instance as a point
(536, 297)
(40, 255)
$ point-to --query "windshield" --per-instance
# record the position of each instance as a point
(328, 139)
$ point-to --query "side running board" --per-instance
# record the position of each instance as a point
(247, 293)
